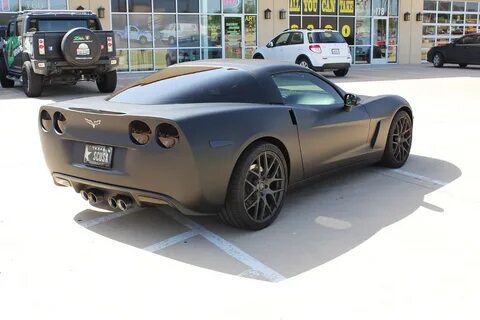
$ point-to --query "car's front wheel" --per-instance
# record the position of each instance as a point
(107, 82)
(257, 188)
(399, 141)
(438, 60)
(341, 72)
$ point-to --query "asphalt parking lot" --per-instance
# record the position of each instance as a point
(372, 243)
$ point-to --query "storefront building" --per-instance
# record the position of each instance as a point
(152, 34)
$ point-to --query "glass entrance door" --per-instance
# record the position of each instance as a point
(379, 40)
(233, 39)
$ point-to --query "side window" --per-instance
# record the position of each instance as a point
(282, 39)
(133, 29)
(11, 29)
(302, 88)
(297, 38)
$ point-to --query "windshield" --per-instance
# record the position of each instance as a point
(325, 37)
(61, 25)
(192, 84)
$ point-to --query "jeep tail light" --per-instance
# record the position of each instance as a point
(41, 46)
(167, 135)
(109, 44)
(139, 132)
(315, 48)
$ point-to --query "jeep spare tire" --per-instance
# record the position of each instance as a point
(81, 47)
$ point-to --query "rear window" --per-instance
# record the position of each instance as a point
(61, 25)
(325, 37)
(192, 84)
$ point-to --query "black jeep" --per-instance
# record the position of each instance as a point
(57, 47)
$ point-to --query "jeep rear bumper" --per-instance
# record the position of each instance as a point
(50, 68)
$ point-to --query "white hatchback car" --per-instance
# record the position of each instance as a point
(317, 49)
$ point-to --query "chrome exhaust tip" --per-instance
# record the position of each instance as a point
(112, 202)
(95, 197)
(124, 203)
(84, 195)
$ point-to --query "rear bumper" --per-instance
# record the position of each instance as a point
(47, 68)
(332, 66)
(142, 198)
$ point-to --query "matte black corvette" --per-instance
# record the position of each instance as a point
(227, 136)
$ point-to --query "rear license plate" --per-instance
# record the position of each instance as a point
(335, 51)
(98, 156)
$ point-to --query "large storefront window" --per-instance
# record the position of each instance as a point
(153, 34)
(370, 27)
(445, 21)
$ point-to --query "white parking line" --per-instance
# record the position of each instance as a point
(228, 248)
(171, 241)
(420, 177)
(106, 218)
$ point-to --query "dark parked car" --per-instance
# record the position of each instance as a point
(47, 47)
(463, 51)
(226, 136)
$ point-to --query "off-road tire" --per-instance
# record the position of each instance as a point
(107, 82)
(32, 82)
(5, 82)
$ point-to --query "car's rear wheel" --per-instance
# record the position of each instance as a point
(32, 82)
(463, 65)
(399, 141)
(5, 82)
(304, 62)
(257, 188)
(341, 72)
(438, 60)
(258, 56)
(143, 40)
(107, 82)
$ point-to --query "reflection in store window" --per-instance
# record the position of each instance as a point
(122, 60)
(363, 8)
(210, 6)
(362, 55)
(140, 32)
(164, 6)
(119, 27)
(187, 6)
(211, 31)
(188, 31)
(139, 6)
(363, 31)
(165, 30)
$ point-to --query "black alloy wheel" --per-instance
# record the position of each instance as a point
(399, 141)
(257, 188)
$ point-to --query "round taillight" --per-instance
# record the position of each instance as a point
(45, 120)
(59, 122)
(140, 132)
(167, 135)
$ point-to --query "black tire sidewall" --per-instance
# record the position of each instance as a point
(32, 83)
(81, 47)
(234, 204)
(388, 156)
(341, 72)
(107, 82)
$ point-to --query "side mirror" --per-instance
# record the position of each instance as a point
(270, 44)
(351, 101)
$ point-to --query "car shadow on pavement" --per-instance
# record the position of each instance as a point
(320, 221)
